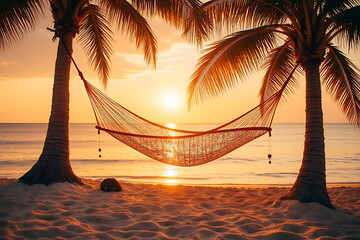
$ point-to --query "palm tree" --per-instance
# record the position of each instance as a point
(91, 21)
(278, 35)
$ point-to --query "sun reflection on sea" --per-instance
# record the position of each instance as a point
(171, 181)
(170, 174)
(173, 126)
(171, 148)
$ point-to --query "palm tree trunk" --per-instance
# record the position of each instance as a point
(310, 185)
(54, 164)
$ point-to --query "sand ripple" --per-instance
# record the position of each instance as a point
(144, 211)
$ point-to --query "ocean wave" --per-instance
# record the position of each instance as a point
(276, 175)
(102, 161)
(232, 159)
(345, 159)
(87, 141)
(17, 162)
(76, 161)
(129, 177)
(17, 142)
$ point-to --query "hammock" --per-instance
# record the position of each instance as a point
(174, 146)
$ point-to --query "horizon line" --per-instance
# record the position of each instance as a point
(182, 123)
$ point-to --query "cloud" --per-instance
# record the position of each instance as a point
(175, 50)
(3, 62)
(173, 54)
(28, 78)
(167, 61)
(136, 75)
(136, 59)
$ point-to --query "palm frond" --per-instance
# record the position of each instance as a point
(231, 14)
(333, 7)
(347, 24)
(175, 12)
(18, 17)
(342, 82)
(183, 14)
(227, 61)
(96, 38)
(68, 12)
(130, 21)
(279, 65)
(198, 24)
(169, 10)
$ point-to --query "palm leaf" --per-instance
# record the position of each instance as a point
(183, 14)
(227, 61)
(347, 23)
(18, 17)
(95, 36)
(341, 80)
(279, 65)
(68, 12)
(333, 7)
(197, 25)
(129, 20)
(175, 12)
(232, 14)
(169, 10)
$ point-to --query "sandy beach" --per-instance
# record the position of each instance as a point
(145, 211)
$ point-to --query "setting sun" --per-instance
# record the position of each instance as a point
(170, 100)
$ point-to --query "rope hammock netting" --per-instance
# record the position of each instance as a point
(174, 146)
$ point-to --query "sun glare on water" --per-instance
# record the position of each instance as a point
(170, 174)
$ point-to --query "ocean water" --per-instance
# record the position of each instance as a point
(21, 145)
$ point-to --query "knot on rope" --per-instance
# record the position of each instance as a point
(269, 147)
(60, 30)
(81, 75)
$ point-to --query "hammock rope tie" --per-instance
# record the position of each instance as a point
(269, 147)
(174, 146)
(99, 149)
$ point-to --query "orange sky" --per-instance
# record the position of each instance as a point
(27, 67)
